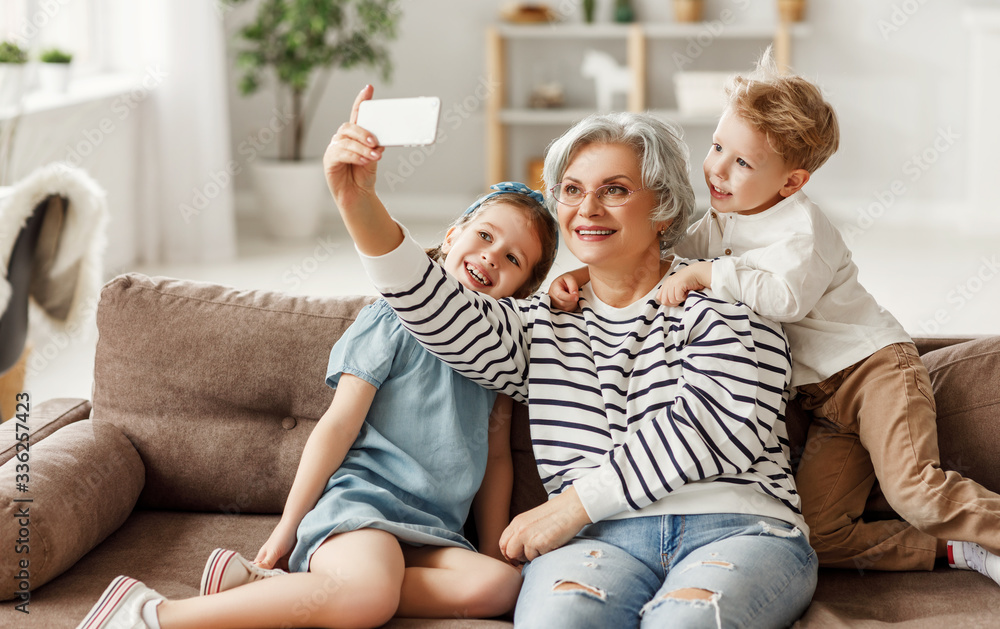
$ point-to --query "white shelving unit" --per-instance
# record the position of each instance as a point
(500, 116)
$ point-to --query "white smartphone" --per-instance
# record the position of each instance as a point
(401, 121)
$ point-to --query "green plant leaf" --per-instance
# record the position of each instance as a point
(10, 52)
(297, 40)
(55, 55)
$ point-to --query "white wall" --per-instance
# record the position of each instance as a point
(894, 69)
(896, 73)
(101, 137)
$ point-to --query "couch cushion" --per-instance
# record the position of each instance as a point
(83, 482)
(46, 418)
(528, 490)
(902, 600)
(217, 388)
(166, 550)
(966, 381)
(967, 395)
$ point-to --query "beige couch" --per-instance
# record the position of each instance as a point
(203, 399)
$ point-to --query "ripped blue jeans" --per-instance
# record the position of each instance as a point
(712, 570)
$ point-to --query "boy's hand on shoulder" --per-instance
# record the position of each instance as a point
(565, 293)
(676, 287)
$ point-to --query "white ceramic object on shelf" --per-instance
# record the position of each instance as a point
(54, 77)
(701, 93)
(12, 78)
(609, 77)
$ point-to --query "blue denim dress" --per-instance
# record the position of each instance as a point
(421, 453)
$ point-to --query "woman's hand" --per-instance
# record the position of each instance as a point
(546, 527)
(278, 545)
(351, 158)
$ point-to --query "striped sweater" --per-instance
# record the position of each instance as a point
(645, 410)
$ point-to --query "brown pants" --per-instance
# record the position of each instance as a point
(876, 419)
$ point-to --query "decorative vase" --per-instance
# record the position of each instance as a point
(688, 10)
(588, 10)
(291, 196)
(54, 77)
(791, 10)
(623, 11)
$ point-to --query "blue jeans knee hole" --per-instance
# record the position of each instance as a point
(694, 597)
(565, 586)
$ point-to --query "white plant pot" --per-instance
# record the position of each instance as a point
(54, 77)
(291, 196)
(11, 84)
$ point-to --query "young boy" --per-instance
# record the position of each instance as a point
(853, 366)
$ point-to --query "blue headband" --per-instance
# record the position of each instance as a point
(505, 187)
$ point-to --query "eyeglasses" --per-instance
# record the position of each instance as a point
(610, 195)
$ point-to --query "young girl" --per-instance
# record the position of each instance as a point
(387, 476)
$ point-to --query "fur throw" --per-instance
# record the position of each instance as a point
(67, 267)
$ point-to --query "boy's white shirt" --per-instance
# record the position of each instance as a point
(790, 264)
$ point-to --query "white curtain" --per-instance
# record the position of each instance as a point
(186, 194)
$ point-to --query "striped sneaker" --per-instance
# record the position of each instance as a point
(227, 569)
(120, 607)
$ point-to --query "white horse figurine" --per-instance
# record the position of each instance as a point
(609, 77)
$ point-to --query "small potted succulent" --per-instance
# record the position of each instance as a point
(54, 71)
(12, 63)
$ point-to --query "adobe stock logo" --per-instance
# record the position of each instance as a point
(963, 293)
(898, 18)
(914, 169)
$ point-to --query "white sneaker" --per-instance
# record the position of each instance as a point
(227, 569)
(972, 556)
(120, 607)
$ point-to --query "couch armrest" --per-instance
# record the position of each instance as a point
(60, 498)
(44, 419)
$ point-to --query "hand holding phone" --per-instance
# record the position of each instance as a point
(401, 121)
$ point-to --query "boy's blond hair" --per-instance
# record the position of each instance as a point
(798, 123)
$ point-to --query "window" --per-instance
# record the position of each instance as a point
(71, 25)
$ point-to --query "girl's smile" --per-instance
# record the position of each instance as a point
(495, 252)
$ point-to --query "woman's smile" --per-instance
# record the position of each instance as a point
(594, 233)
(608, 236)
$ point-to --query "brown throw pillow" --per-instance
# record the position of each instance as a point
(83, 481)
(217, 388)
(966, 381)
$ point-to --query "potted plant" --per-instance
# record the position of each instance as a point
(791, 10)
(688, 10)
(12, 60)
(624, 12)
(298, 44)
(54, 71)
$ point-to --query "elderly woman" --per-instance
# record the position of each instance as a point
(658, 432)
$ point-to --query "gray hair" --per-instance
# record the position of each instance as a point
(663, 158)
